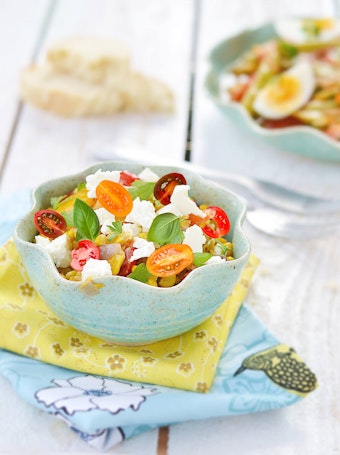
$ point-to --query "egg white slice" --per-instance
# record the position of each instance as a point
(302, 31)
(287, 92)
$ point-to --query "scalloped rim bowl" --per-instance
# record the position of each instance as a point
(123, 310)
(302, 140)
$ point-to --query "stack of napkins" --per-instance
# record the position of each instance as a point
(108, 393)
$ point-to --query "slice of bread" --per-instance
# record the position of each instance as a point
(147, 94)
(66, 96)
(88, 76)
(92, 59)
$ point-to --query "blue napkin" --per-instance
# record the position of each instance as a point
(255, 373)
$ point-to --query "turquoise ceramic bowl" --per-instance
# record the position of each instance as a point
(123, 310)
(302, 140)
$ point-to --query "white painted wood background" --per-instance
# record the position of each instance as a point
(296, 291)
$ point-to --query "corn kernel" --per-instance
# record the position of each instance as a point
(167, 281)
(152, 281)
(116, 262)
(101, 240)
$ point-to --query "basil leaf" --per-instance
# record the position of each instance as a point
(85, 220)
(68, 216)
(54, 201)
(165, 228)
(143, 190)
(140, 273)
(201, 258)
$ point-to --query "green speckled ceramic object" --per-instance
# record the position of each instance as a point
(302, 140)
(123, 310)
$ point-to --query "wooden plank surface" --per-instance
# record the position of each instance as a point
(296, 289)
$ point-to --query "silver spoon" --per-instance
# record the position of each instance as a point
(271, 208)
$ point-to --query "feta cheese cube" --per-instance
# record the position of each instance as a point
(169, 208)
(143, 249)
(142, 213)
(215, 260)
(183, 202)
(194, 237)
(96, 268)
(58, 249)
(131, 228)
(147, 175)
(105, 218)
(93, 180)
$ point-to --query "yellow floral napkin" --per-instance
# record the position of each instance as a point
(187, 361)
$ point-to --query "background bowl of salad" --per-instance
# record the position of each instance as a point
(281, 82)
(142, 305)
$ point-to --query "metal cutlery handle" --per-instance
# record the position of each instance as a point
(256, 192)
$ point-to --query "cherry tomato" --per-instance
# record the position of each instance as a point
(85, 251)
(169, 259)
(114, 197)
(50, 223)
(164, 187)
(218, 223)
(280, 123)
(126, 267)
(127, 179)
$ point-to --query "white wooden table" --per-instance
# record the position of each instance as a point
(296, 291)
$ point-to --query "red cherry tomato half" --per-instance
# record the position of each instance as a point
(218, 223)
(126, 267)
(164, 187)
(85, 251)
(127, 179)
(50, 223)
(280, 123)
(169, 259)
(114, 198)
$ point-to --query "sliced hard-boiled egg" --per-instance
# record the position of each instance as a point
(287, 92)
(302, 31)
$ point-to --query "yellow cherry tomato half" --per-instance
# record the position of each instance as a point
(114, 198)
(169, 259)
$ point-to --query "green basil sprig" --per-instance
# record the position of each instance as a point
(165, 228)
(141, 189)
(116, 228)
(86, 221)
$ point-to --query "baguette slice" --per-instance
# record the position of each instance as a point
(147, 94)
(66, 96)
(92, 59)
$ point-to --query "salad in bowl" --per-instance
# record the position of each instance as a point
(133, 254)
(281, 81)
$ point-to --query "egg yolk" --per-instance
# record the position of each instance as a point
(286, 88)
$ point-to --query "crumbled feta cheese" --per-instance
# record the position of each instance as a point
(195, 238)
(58, 249)
(105, 218)
(96, 268)
(183, 202)
(169, 208)
(148, 175)
(142, 213)
(215, 260)
(143, 249)
(93, 180)
(131, 228)
(42, 241)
